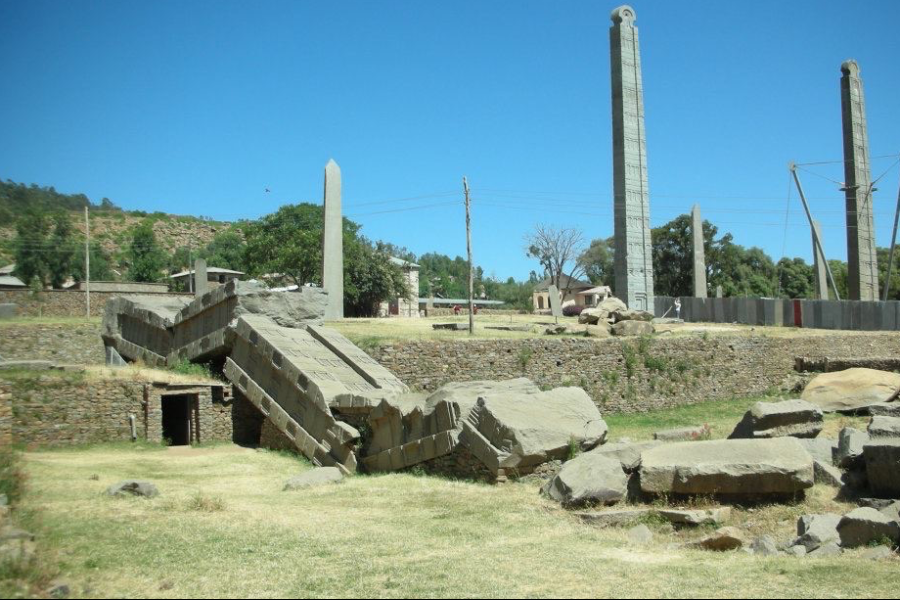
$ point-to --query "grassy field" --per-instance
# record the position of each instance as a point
(222, 527)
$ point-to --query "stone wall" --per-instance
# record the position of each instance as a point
(448, 312)
(633, 375)
(60, 303)
(70, 408)
(66, 343)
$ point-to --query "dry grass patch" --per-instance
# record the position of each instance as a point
(394, 535)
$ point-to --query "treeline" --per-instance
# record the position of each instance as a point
(16, 199)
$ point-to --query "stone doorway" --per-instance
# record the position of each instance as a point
(177, 422)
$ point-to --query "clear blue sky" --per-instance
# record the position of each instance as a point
(197, 107)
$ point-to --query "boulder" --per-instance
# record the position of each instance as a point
(694, 518)
(600, 330)
(884, 427)
(723, 540)
(850, 448)
(826, 551)
(865, 526)
(555, 330)
(827, 474)
(589, 479)
(764, 546)
(632, 315)
(891, 511)
(682, 434)
(852, 390)
(640, 535)
(613, 518)
(314, 478)
(632, 328)
(133, 487)
(627, 453)
(882, 460)
(798, 551)
(742, 468)
(593, 316)
(878, 553)
(816, 530)
(794, 418)
(885, 410)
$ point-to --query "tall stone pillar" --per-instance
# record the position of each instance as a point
(862, 277)
(634, 260)
(819, 265)
(201, 280)
(699, 253)
(333, 244)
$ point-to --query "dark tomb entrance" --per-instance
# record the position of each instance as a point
(176, 420)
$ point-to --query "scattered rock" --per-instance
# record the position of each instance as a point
(627, 453)
(682, 434)
(817, 530)
(852, 390)
(601, 330)
(878, 553)
(632, 328)
(588, 479)
(798, 551)
(823, 449)
(884, 427)
(826, 550)
(631, 315)
(556, 330)
(794, 418)
(58, 589)
(865, 526)
(314, 478)
(16, 546)
(613, 518)
(765, 546)
(133, 487)
(742, 468)
(882, 458)
(723, 540)
(827, 474)
(640, 535)
(885, 410)
(592, 316)
(850, 448)
(876, 503)
(715, 516)
(891, 511)
(450, 326)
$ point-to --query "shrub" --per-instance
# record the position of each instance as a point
(572, 310)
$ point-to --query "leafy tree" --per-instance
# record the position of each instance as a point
(226, 251)
(883, 255)
(31, 249)
(101, 265)
(61, 250)
(558, 251)
(796, 279)
(598, 262)
(370, 278)
(148, 260)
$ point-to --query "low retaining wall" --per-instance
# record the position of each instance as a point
(65, 343)
(846, 315)
(630, 375)
(61, 303)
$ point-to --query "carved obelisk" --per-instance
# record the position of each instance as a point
(699, 253)
(333, 244)
(821, 276)
(634, 260)
(862, 276)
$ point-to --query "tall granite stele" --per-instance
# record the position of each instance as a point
(862, 266)
(634, 260)
(699, 253)
(333, 244)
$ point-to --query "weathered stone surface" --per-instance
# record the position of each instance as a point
(628, 454)
(682, 434)
(723, 540)
(632, 315)
(640, 535)
(794, 418)
(632, 328)
(613, 518)
(864, 526)
(450, 326)
(715, 516)
(884, 427)
(850, 448)
(826, 551)
(587, 480)
(333, 243)
(885, 410)
(699, 253)
(144, 489)
(314, 478)
(821, 449)
(601, 330)
(878, 553)
(777, 466)
(882, 460)
(816, 530)
(852, 390)
(796, 551)
(8, 310)
(764, 546)
(892, 511)
(593, 316)
(827, 474)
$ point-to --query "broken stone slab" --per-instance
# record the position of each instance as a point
(723, 540)
(694, 518)
(793, 418)
(613, 518)
(884, 427)
(682, 434)
(589, 479)
(764, 546)
(737, 468)
(592, 316)
(631, 315)
(640, 535)
(797, 551)
(876, 503)
(827, 474)
(601, 330)
(450, 326)
(314, 478)
(892, 511)
(852, 390)
(556, 330)
(133, 487)
(821, 449)
(632, 328)
(627, 453)
(885, 410)
(828, 550)
(882, 460)
(864, 526)
(850, 448)
(814, 531)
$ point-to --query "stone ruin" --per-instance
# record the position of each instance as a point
(338, 406)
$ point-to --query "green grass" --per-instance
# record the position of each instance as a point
(50, 321)
(222, 527)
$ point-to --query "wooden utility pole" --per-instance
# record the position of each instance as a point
(87, 261)
(815, 235)
(469, 249)
(890, 269)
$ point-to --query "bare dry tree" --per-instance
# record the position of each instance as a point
(558, 250)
